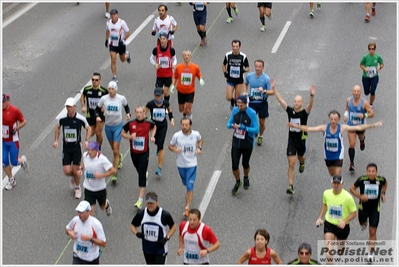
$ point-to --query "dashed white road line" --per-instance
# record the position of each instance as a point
(281, 37)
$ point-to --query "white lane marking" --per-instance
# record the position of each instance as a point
(209, 192)
(14, 171)
(18, 14)
(281, 37)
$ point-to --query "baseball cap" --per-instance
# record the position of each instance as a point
(337, 179)
(6, 97)
(151, 199)
(113, 84)
(164, 34)
(83, 206)
(113, 11)
(93, 145)
(305, 245)
(243, 99)
(158, 91)
(70, 102)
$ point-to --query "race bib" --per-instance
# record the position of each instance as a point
(138, 144)
(354, 118)
(93, 102)
(163, 62)
(89, 175)
(332, 144)
(158, 114)
(82, 247)
(240, 134)
(112, 109)
(371, 72)
(188, 150)
(186, 78)
(6, 131)
(151, 232)
(296, 121)
(114, 39)
(256, 94)
(199, 6)
(192, 255)
(70, 135)
(234, 72)
(371, 190)
(335, 212)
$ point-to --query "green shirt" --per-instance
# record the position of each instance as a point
(371, 62)
(338, 206)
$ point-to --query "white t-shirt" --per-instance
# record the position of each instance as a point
(99, 164)
(113, 108)
(165, 25)
(117, 31)
(188, 143)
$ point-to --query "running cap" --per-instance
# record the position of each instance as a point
(337, 179)
(83, 206)
(164, 34)
(113, 84)
(6, 97)
(305, 245)
(70, 102)
(93, 145)
(151, 198)
(158, 91)
(242, 98)
(113, 11)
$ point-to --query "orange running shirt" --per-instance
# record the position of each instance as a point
(185, 76)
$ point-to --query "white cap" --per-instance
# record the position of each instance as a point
(83, 206)
(113, 84)
(70, 102)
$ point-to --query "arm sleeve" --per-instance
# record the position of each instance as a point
(126, 127)
(167, 219)
(138, 218)
(127, 109)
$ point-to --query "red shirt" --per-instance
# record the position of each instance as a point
(142, 129)
(207, 233)
(11, 116)
(255, 260)
(164, 59)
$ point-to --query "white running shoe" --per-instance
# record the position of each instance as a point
(78, 193)
(25, 164)
(107, 15)
(108, 210)
(11, 183)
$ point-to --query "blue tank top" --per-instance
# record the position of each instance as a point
(354, 112)
(333, 145)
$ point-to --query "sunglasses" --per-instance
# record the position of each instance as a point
(371, 48)
(94, 80)
(304, 253)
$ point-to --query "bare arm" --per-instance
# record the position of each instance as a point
(275, 257)
(362, 127)
(83, 103)
(312, 93)
(323, 210)
(383, 190)
(56, 135)
(280, 99)
(304, 128)
(244, 257)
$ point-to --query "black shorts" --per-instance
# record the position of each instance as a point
(92, 120)
(338, 232)
(335, 163)
(372, 215)
(185, 98)
(296, 147)
(77, 260)
(161, 82)
(118, 49)
(71, 154)
(140, 162)
(99, 196)
(262, 109)
(159, 259)
(236, 155)
(160, 135)
(267, 5)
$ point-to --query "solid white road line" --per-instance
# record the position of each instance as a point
(14, 171)
(281, 37)
(18, 14)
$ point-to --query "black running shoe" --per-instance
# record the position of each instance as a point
(236, 187)
(246, 183)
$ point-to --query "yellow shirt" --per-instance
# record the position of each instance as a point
(338, 206)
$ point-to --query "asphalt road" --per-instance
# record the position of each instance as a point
(50, 52)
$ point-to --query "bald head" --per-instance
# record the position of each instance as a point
(356, 91)
(298, 102)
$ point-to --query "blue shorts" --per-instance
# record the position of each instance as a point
(10, 153)
(188, 176)
(114, 133)
(199, 17)
(262, 109)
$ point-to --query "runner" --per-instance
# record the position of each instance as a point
(357, 110)
(163, 58)
(296, 146)
(158, 109)
(230, 5)
(72, 123)
(367, 6)
(339, 209)
(196, 240)
(184, 81)
(116, 35)
(259, 89)
(187, 144)
(333, 142)
(245, 124)
(96, 168)
(311, 5)
(137, 131)
(260, 253)
(13, 121)
(234, 65)
(264, 9)
(153, 221)
(112, 104)
(372, 188)
(88, 235)
(304, 254)
(164, 24)
(91, 95)
(199, 14)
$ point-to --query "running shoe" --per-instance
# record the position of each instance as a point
(367, 19)
(202, 42)
(246, 183)
(318, 5)
(229, 20)
(236, 188)
(186, 212)
(290, 190)
(236, 10)
(371, 106)
(263, 28)
(158, 172)
(129, 59)
(362, 144)
(120, 161)
(372, 11)
(363, 226)
(78, 193)
(301, 167)
(311, 14)
(107, 15)
(114, 178)
(205, 41)
(138, 204)
(352, 167)
(260, 141)
(115, 79)
(108, 209)
(25, 164)
(72, 183)
(369, 260)
(11, 183)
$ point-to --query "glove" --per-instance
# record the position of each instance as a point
(13, 131)
(106, 43)
(202, 82)
(171, 32)
(172, 89)
(153, 33)
(226, 74)
(162, 241)
(140, 235)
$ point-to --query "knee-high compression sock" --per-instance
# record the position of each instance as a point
(167, 98)
(351, 152)
(228, 11)
(262, 20)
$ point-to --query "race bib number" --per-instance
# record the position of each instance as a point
(335, 212)
(371, 190)
(188, 150)
(372, 71)
(240, 134)
(112, 109)
(151, 232)
(256, 94)
(114, 39)
(81, 247)
(158, 114)
(332, 144)
(296, 121)
(354, 118)
(70, 135)
(163, 62)
(235, 72)
(89, 175)
(93, 102)
(199, 6)
(186, 78)
(6, 131)
(138, 144)
(192, 255)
